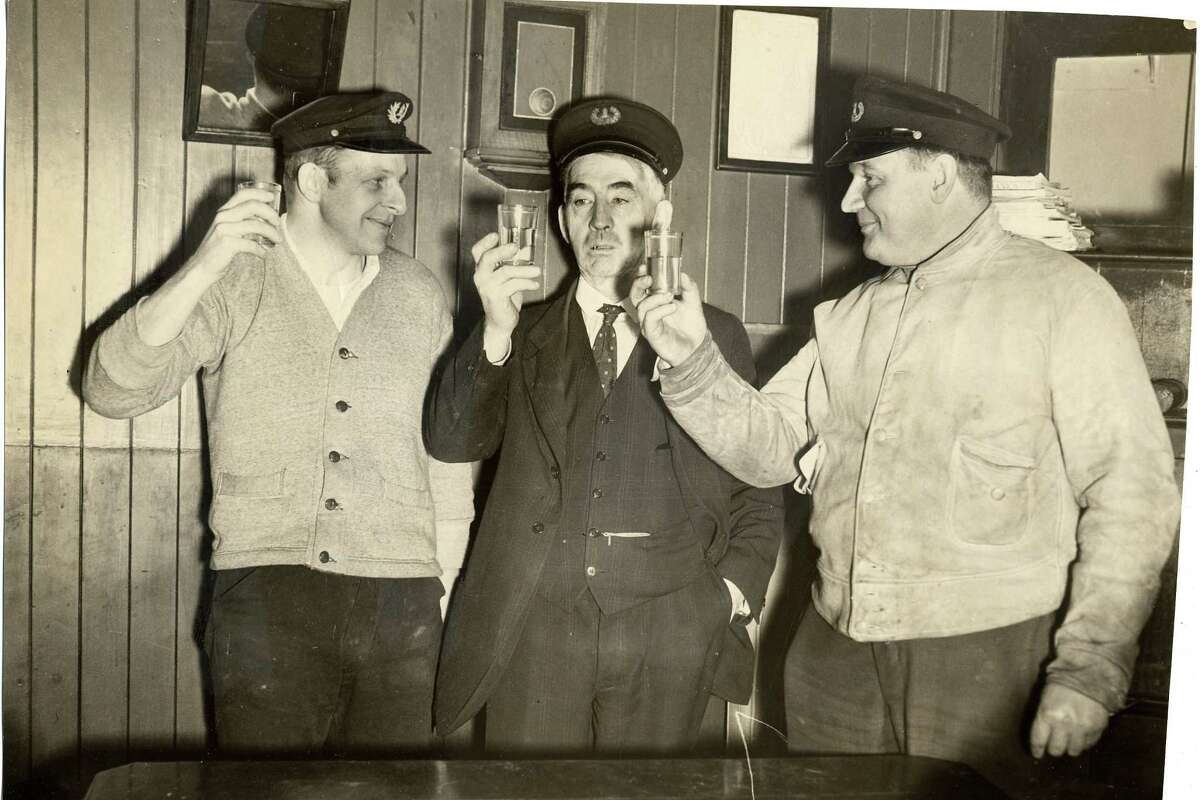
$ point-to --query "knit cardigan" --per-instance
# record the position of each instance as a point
(314, 434)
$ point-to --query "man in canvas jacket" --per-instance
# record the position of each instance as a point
(992, 482)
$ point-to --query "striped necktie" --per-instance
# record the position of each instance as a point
(605, 347)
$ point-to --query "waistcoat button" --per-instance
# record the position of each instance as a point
(537, 527)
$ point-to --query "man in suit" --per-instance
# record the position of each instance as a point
(605, 597)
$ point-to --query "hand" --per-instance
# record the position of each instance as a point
(674, 328)
(249, 212)
(1067, 721)
(500, 289)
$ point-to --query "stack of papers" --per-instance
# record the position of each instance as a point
(1031, 206)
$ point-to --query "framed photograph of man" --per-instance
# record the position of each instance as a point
(251, 62)
(771, 63)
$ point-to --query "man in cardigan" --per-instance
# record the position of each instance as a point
(605, 596)
(992, 482)
(331, 523)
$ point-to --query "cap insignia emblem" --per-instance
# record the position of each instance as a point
(609, 115)
(398, 112)
(857, 111)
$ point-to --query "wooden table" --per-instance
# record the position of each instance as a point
(876, 777)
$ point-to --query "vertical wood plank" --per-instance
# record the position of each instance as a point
(17, 612)
(974, 69)
(398, 38)
(694, 102)
(764, 247)
(152, 610)
(191, 734)
(55, 568)
(20, 203)
(620, 58)
(841, 241)
(108, 264)
(442, 106)
(59, 234)
(358, 59)
(921, 47)
(160, 176)
(889, 35)
(104, 616)
(802, 248)
(655, 52)
(725, 277)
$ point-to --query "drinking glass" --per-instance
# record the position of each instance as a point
(518, 224)
(664, 254)
(276, 191)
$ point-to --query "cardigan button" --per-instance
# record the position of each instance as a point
(342, 405)
(335, 456)
(344, 352)
(323, 557)
(331, 504)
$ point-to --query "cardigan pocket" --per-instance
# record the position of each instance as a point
(263, 485)
(991, 493)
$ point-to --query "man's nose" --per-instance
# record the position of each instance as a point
(601, 216)
(396, 202)
(852, 200)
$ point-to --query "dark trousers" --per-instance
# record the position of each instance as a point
(964, 698)
(634, 682)
(306, 663)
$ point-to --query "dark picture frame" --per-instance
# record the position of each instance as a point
(250, 62)
(543, 63)
(783, 100)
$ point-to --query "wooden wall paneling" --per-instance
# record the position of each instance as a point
(479, 198)
(161, 173)
(728, 224)
(849, 43)
(358, 59)
(20, 183)
(694, 104)
(104, 609)
(398, 46)
(765, 231)
(59, 232)
(193, 546)
(442, 104)
(560, 260)
(620, 55)
(654, 44)
(111, 121)
(802, 248)
(921, 47)
(889, 42)
(55, 599)
(152, 604)
(160, 170)
(17, 611)
(975, 51)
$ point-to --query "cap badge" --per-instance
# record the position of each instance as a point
(857, 111)
(398, 112)
(609, 115)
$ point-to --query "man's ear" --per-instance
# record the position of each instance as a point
(943, 171)
(562, 225)
(311, 181)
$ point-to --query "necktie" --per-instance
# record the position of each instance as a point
(605, 347)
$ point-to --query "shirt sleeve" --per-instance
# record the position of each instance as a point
(757, 436)
(1120, 465)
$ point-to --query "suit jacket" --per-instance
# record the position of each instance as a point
(476, 408)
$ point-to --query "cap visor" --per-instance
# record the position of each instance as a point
(861, 150)
(384, 144)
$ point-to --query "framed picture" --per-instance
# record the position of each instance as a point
(544, 52)
(771, 63)
(251, 62)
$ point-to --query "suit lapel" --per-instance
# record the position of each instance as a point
(546, 370)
